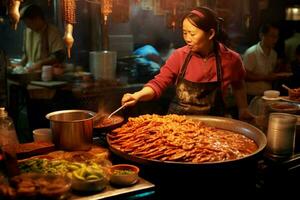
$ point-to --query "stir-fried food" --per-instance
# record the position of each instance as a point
(294, 94)
(178, 138)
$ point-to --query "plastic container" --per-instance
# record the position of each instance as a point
(8, 143)
(281, 134)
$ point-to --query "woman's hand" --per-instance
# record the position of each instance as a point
(145, 94)
(129, 99)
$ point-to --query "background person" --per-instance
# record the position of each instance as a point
(260, 61)
(43, 43)
(151, 58)
(291, 43)
(201, 70)
(295, 67)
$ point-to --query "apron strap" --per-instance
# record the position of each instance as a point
(219, 76)
(184, 67)
(218, 63)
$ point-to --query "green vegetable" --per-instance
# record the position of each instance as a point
(122, 172)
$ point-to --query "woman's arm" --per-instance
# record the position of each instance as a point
(145, 94)
(51, 59)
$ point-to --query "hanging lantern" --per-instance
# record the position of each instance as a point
(106, 8)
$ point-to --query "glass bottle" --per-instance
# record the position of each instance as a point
(8, 143)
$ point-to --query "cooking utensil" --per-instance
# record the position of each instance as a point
(219, 122)
(114, 112)
(100, 116)
(72, 129)
(286, 87)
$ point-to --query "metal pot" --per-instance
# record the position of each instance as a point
(72, 129)
(103, 64)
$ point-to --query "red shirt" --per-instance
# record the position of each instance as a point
(199, 69)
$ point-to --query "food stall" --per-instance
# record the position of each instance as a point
(173, 156)
(162, 156)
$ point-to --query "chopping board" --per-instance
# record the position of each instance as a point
(27, 150)
(49, 83)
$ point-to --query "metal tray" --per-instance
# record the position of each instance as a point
(111, 191)
(220, 122)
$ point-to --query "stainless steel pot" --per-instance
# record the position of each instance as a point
(72, 129)
(103, 64)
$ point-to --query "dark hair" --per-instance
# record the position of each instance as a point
(205, 19)
(31, 11)
(265, 28)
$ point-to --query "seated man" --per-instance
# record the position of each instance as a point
(43, 43)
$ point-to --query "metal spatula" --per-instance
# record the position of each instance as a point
(114, 112)
(286, 87)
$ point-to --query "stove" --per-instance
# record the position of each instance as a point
(278, 175)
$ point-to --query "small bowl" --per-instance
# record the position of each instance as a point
(42, 135)
(83, 184)
(271, 93)
(89, 185)
(124, 174)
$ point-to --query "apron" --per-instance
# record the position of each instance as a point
(193, 98)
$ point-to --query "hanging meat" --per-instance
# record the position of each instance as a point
(13, 12)
(69, 7)
(106, 9)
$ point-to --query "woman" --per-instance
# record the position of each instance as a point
(201, 71)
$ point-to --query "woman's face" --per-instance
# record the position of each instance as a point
(196, 39)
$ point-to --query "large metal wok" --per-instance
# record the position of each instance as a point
(219, 122)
